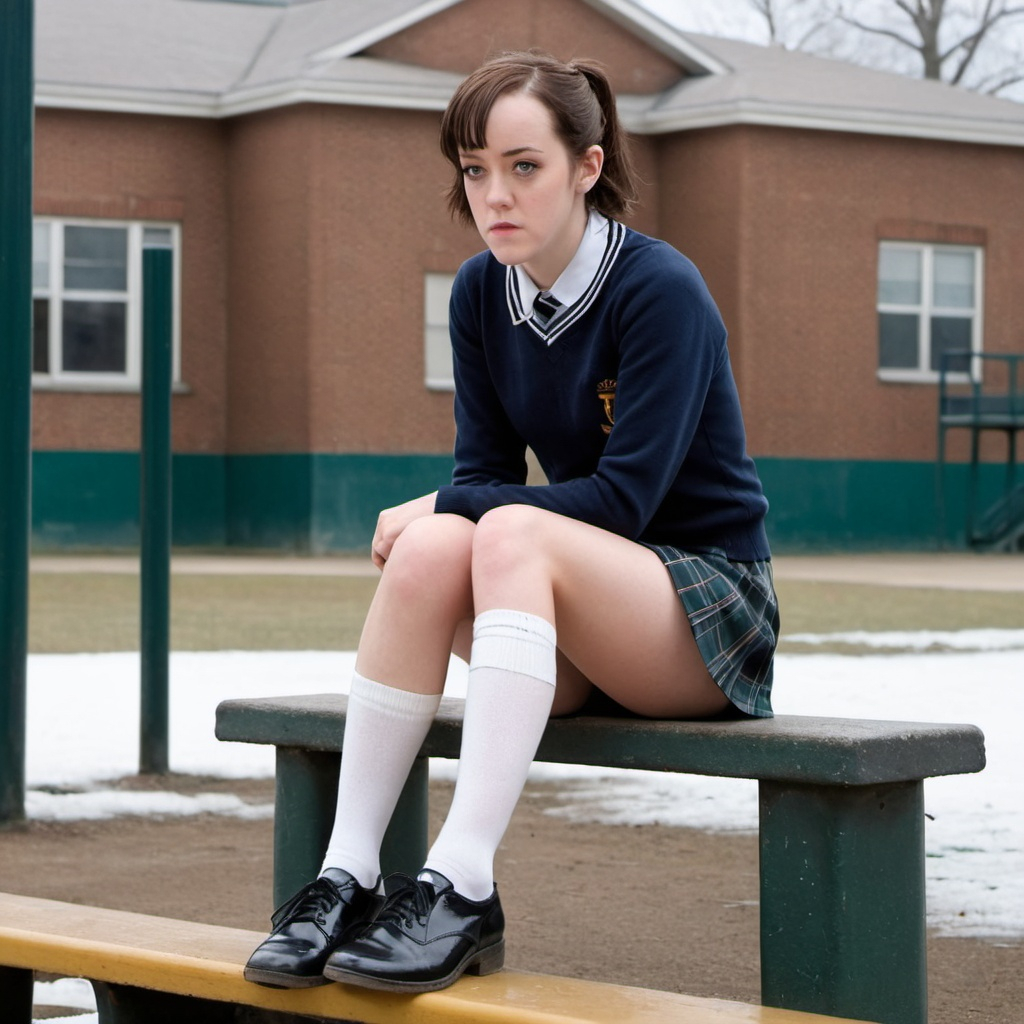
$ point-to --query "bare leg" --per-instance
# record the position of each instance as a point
(400, 671)
(619, 620)
(620, 626)
(424, 593)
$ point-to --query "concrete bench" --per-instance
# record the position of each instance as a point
(151, 970)
(841, 826)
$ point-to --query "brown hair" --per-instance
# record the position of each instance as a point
(582, 106)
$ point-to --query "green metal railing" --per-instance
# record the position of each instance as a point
(982, 392)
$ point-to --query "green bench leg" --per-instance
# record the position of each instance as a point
(16, 986)
(306, 793)
(304, 799)
(843, 900)
(405, 842)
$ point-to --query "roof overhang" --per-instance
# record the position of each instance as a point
(639, 114)
(652, 121)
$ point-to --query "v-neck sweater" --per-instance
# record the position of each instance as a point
(628, 401)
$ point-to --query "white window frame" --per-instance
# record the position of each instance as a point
(438, 373)
(59, 379)
(926, 309)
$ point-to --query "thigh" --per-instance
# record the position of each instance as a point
(620, 622)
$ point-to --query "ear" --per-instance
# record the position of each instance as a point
(588, 170)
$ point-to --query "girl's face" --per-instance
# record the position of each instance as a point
(526, 191)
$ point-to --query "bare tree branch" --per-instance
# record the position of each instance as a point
(992, 85)
(971, 43)
(925, 32)
(875, 30)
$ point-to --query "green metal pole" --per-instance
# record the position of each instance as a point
(155, 511)
(16, 82)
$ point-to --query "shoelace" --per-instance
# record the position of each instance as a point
(309, 904)
(411, 900)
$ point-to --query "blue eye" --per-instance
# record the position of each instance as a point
(525, 166)
(472, 171)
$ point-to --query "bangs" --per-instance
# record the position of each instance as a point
(464, 125)
(467, 127)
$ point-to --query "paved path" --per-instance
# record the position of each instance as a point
(949, 570)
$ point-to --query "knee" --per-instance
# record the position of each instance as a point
(431, 555)
(508, 537)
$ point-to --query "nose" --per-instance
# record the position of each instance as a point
(499, 195)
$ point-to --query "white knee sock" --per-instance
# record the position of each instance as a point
(384, 730)
(511, 688)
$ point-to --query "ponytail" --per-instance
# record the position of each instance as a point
(615, 192)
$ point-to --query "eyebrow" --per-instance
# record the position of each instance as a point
(468, 153)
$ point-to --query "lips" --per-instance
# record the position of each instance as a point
(503, 227)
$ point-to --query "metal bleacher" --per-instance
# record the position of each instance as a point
(981, 392)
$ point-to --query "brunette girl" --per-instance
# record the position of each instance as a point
(639, 573)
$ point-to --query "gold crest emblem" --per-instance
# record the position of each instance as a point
(606, 392)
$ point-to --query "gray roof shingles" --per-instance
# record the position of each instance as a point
(216, 58)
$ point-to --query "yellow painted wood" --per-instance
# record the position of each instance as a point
(206, 961)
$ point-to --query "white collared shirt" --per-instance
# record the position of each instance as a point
(577, 277)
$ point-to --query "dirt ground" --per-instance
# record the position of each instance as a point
(661, 907)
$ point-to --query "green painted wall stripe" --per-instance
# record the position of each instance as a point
(329, 503)
(91, 500)
(851, 504)
(320, 502)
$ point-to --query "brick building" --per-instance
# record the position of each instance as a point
(851, 225)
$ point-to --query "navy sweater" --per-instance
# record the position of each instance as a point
(632, 410)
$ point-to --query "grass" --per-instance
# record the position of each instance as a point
(92, 612)
(808, 607)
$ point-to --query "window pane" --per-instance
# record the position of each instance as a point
(899, 276)
(897, 341)
(950, 334)
(954, 279)
(94, 338)
(40, 255)
(436, 293)
(159, 238)
(439, 369)
(437, 343)
(40, 335)
(96, 259)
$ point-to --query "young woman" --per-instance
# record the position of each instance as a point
(640, 570)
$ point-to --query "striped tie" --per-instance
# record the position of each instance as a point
(544, 308)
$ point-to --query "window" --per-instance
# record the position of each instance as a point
(929, 303)
(437, 349)
(87, 301)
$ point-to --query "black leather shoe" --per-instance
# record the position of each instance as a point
(425, 938)
(308, 928)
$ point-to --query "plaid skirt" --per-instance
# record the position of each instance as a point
(734, 614)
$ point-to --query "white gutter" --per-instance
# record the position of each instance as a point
(637, 113)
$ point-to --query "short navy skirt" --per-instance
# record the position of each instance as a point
(734, 614)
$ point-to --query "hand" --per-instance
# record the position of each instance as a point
(392, 521)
